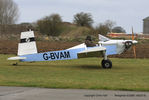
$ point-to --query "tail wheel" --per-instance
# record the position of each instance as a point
(106, 64)
(15, 64)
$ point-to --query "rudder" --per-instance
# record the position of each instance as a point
(27, 43)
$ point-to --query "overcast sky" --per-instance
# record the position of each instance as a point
(125, 13)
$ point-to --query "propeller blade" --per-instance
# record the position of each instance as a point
(134, 47)
(134, 51)
(133, 34)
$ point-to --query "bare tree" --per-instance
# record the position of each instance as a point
(104, 28)
(8, 12)
(109, 24)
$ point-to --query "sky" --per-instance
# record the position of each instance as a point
(126, 13)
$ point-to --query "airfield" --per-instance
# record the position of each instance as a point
(127, 73)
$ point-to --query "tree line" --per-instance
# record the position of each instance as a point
(52, 25)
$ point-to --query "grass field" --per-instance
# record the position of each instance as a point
(126, 74)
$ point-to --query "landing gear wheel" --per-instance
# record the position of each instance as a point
(106, 64)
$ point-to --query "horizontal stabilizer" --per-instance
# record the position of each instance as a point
(16, 58)
(103, 38)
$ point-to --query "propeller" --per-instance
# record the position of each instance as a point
(134, 46)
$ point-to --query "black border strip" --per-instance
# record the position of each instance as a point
(26, 40)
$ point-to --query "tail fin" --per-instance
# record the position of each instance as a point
(103, 38)
(27, 43)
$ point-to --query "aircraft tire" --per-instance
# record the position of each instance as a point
(106, 64)
(15, 64)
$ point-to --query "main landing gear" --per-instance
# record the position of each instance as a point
(106, 63)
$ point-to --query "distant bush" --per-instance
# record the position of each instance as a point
(50, 25)
(83, 19)
(118, 29)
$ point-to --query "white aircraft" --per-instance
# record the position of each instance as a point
(27, 50)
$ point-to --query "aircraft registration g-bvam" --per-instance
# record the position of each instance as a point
(27, 50)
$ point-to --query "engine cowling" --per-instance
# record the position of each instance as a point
(128, 44)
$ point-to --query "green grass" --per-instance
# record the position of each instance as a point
(126, 74)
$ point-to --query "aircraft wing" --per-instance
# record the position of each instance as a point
(17, 58)
(92, 52)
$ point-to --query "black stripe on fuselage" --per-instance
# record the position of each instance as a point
(26, 40)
